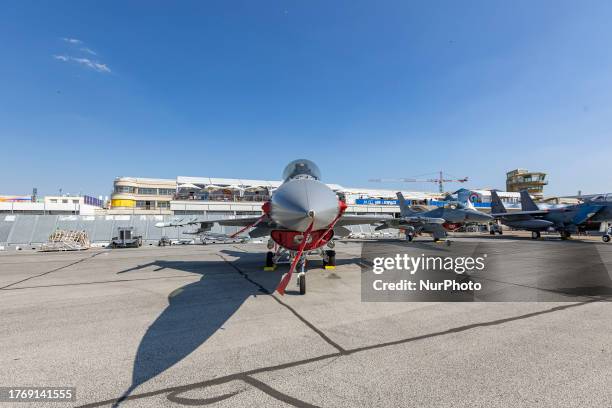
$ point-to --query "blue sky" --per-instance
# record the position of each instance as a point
(94, 90)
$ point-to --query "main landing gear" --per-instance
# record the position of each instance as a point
(447, 241)
(270, 265)
(565, 235)
(535, 235)
(329, 259)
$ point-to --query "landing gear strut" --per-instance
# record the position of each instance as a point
(565, 235)
(270, 259)
(301, 279)
(329, 259)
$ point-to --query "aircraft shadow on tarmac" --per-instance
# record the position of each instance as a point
(195, 311)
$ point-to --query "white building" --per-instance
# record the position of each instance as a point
(50, 205)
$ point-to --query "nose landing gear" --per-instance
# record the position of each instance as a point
(301, 279)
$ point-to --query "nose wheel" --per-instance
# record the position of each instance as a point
(301, 281)
(301, 278)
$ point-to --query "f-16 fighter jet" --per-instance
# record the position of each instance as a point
(302, 216)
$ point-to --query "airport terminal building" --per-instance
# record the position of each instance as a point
(241, 197)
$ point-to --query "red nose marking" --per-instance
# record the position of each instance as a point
(266, 207)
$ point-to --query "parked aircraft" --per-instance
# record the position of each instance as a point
(302, 216)
(523, 220)
(569, 219)
(565, 220)
(436, 221)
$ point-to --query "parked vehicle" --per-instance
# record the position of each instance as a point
(126, 238)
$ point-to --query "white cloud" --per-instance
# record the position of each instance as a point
(92, 64)
(95, 65)
(72, 40)
(89, 51)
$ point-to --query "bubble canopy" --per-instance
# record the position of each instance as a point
(301, 168)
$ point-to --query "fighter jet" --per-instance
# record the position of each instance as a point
(567, 220)
(523, 220)
(436, 221)
(564, 220)
(302, 216)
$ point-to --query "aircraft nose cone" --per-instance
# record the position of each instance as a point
(296, 203)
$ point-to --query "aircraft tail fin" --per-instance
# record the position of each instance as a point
(463, 197)
(497, 206)
(404, 207)
(527, 203)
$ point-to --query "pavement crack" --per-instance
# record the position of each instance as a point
(93, 282)
(52, 270)
(311, 326)
(467, 327)
(275, 393)
(301, 318)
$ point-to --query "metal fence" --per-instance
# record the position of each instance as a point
(33, 230)
(21, 229)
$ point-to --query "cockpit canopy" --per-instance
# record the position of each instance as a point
(301, 168)
(454, 205)
(602, 197)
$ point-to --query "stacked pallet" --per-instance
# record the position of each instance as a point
(66, 240)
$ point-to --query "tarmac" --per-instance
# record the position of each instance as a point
(200, 325)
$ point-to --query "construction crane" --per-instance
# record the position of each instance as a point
(440, 180)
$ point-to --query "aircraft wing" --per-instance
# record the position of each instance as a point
(437, 230)
(412, 221)
(586, 212)
(230, 222)
(361, 220)
(517, 214)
